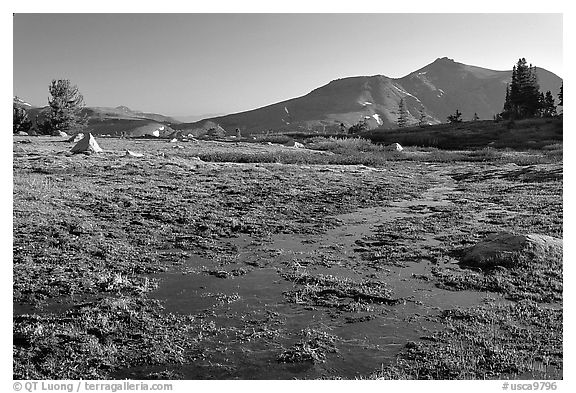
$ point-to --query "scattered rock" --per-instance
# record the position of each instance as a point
(293, 143)
(395, 147)
(173, 140)
(87, 144)
(23, 133)
(132, 154)
(62, 134)
(512, 250)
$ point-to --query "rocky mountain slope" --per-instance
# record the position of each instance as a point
(435, 90)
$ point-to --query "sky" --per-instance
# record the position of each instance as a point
(195, 64)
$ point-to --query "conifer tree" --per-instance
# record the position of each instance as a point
(561, 95)
(455, 118)
(523, 95)
(475, 117)
(422, 121)
(358, 127)
(402, 114)
(507, 104)
(548, 105)
(65, 103)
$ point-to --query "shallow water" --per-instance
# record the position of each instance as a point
(232, 300)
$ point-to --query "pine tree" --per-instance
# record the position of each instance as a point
(422, 121)
(358, 127)
(541, 104)
(20, 121)
(507, 104)
(475, 117)
(523, 95)
(65, 106)
(549, 107)
(561, 95)
(402, 114)
(455, 118)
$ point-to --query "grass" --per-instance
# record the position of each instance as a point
(92, 234)
(97, 337)
(491, 342)
(330, 291)
(519, 135)
(313, 346)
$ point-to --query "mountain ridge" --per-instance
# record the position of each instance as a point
(435, 90)
(430, 94)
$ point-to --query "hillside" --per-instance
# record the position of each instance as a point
(117, 121)
(437, 90)
(521, 135)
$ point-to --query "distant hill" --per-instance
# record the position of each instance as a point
(437, 90)
(118, 121)
(193, 118)
(123, 112)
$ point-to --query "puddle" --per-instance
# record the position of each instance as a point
(196, 292)
(52, 305)
(255, 299)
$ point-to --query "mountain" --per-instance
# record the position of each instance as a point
(119, 120)
(436, 90)
(123, 112)
(193, 118)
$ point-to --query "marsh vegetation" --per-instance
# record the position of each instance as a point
(206, 259)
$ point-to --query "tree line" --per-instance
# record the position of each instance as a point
(66, 104)
(523, 96)
(523, 99)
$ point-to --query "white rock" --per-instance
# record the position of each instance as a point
(395, 147)
(87, 144)
(132, 154)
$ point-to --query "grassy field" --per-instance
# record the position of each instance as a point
(520, 134)
(207, 259)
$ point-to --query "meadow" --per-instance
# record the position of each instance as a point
(208, 259)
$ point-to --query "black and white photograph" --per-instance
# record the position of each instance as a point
(286, 196)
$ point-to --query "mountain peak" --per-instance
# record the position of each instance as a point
(444, 62)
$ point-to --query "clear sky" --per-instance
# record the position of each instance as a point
(192, 64)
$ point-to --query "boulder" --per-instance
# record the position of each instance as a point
(22, 133)
(87, 144)
(62, 134)
(132, 154)
(513, 250)
(395, 147)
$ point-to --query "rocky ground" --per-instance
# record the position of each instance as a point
(284, 263)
